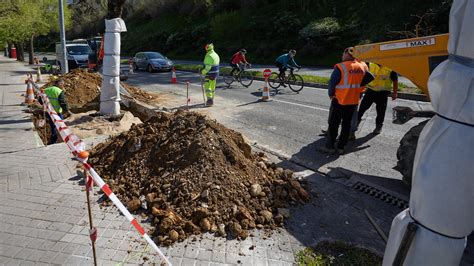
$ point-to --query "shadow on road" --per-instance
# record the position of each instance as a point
(313, 159)
(336, 213)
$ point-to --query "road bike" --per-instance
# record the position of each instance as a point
(294, 81)
(245, 78)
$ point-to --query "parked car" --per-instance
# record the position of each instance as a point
(152, 61)
(77, 54)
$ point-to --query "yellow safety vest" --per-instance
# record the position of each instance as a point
(382, 81)
(53, 95)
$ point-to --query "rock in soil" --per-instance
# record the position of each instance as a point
(196, 175)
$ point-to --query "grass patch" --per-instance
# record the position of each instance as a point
(338, 253)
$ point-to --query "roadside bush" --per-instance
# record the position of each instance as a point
(226, 26)
(322, 28)
(286, 24)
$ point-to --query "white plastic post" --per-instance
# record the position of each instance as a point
(110, 90)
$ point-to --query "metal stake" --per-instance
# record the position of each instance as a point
(92, 229)
(187, 94)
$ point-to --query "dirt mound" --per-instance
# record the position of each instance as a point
(190, 175)
(151, 98)
(81, 89)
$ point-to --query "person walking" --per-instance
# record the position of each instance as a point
(377, 92)
(211, 72)
(58, 102)
(346, 84)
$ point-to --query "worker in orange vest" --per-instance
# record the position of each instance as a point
(346, 85)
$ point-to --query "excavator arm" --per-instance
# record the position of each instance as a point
(414, 58)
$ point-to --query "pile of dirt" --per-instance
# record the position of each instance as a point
(151, 98)
(190, 175)
(82, 89)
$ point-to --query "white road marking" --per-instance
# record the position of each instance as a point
(280, 101)
(301, 105)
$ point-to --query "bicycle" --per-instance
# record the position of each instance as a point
(245, 78)
(294, 81)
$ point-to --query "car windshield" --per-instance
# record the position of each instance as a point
(77, 50)
(155, 56)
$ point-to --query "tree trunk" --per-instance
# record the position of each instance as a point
(10, 45)
(20, 53)
(31, 51)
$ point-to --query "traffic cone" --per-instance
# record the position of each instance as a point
(173, 77)
(39, 78)
(265, 93)
(30, 95)
(130, 66)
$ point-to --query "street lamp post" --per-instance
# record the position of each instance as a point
(64, 66)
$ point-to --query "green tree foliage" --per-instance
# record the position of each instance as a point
(317, 29)
(23, 20)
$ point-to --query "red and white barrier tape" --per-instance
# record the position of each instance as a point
(76, 145)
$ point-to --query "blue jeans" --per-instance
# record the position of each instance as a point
(54, 132)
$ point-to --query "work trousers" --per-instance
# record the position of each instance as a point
(354, 123)
(340, 114)
(380, 100)
(54, 132)
(210, 87)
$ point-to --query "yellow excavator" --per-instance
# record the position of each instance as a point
(414, 59)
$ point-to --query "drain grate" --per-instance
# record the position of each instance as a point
(382, 195)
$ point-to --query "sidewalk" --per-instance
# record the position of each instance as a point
(43, 214)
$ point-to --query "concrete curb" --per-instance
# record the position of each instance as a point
(401, 95)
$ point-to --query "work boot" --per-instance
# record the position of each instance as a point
(352, 136)
(324, 130)
(377, 130)
(209, 102)
(340, 151)
(326, 149)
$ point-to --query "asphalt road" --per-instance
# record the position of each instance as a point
(290, 124)
(314, 71)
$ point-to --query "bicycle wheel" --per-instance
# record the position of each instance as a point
(274, 81)
(295, 82)
(246, 78)
(228, 79)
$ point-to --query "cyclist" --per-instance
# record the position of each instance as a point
(236, 61)
(286, 61)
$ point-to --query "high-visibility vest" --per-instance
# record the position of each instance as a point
(53, 96)
(348, 89)
(382, 81)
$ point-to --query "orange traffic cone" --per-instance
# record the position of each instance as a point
(39, 78)
(130, 66)
(266, 93)
(30, 95)
(173, 77)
